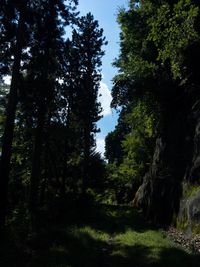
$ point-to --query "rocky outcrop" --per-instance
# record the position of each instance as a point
(159, 195)
(176, 161)
(191, 244)
(193, 175)
(188, 218)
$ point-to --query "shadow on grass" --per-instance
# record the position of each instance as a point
(62, 248)
(115, 219)
(10, 254)
(142, 256)
(86, 240)
(67, 250)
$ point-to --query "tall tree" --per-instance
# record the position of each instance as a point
(88, 40)
(154, 40)
(19, 12)
(43, 72)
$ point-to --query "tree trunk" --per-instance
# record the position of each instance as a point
(87, 127)
(86, 158)
(9, 123)
(66, 147)
(36, 164)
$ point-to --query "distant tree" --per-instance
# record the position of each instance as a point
(87, 41)
(113, 142)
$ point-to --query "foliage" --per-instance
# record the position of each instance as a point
(127, 167)
(113, 141)
(159, 53)
(139, 143)
(172, 31)
(3, 94)
(51, 109)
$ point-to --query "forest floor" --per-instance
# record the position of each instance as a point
(109, 236)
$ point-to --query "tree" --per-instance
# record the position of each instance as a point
(87, 41)
(20, 11)
(113, 143)
(33, 72)
(129, 152)
(3, 97)
(156, 43)
(43, 71)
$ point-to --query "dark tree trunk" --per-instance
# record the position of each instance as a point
(87, 127)
(86, 158)
(36, 164)
(39, 135)
(47, 164)
(64, 172)
(10, 122)
(66, 147)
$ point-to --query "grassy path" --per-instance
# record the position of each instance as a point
(109, 237)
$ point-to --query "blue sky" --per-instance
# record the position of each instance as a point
(105, 11)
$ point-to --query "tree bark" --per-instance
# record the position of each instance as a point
(36, 164)
(10, 122)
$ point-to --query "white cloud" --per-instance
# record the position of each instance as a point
(100, 146)
(7, 79)
(105, 99)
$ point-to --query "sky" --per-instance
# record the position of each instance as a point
(105, 11)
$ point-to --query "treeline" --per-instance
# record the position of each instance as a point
(48, 114)
(155, 146)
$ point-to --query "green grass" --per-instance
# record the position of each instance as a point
(80, 232)
(107, 236)
(148, 248)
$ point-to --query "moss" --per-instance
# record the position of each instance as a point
(190, 190)
(195, 229)
(182, 222)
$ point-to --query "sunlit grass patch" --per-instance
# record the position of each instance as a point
(132, 242)
(148, 248)
(147, 238)
(80, 233)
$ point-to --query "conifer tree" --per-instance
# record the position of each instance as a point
(12, 44)
(43, 71)
(88, 40)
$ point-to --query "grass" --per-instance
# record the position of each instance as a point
(107, 236)
(148, 248)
